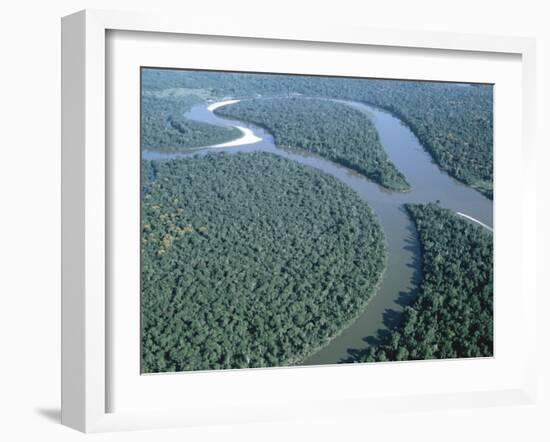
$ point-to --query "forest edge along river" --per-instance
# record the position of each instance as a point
(429, 183)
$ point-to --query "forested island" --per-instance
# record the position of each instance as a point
(332, 130)
(453, 314)
(250, 260)
(453, 122)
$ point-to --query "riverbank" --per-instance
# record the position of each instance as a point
(247, 138)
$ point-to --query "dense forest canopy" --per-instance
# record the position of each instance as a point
(453, 314)
(250, 260)
(453, 122)
(164, 127)
(253, 260)
(332, 130)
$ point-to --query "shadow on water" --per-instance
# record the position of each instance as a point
(392, 318)
(412, 247)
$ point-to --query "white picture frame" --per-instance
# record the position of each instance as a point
(86, 315)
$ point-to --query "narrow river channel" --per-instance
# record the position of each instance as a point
(403, 271)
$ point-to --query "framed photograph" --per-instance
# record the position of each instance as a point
(266, 222)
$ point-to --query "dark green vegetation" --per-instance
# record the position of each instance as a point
(164, 128)
(454, 122)
(453, 314)
(332, 130)
(250, 260)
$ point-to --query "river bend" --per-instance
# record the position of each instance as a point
(428, 183)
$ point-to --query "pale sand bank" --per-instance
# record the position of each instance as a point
(474, 220)
(248, 136)
(218, 104)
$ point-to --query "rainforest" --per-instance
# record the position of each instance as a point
(310, 220)
(265, 280)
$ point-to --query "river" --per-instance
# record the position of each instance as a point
(403, 271)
